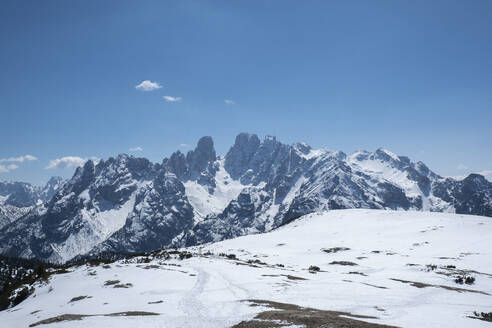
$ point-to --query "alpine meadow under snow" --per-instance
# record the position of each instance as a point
(341, 268)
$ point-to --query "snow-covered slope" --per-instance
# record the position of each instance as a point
(206, 201)
(397, 267)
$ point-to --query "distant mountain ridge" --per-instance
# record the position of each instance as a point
(18, 198)
(127, 204)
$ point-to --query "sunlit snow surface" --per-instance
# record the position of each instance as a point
(205, 202)
(383, 170)
(98, 227)
(205, 291)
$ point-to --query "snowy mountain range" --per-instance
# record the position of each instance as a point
(131, 205)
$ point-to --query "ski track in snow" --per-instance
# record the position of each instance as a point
(197, 313)
(241, 293)
(191, 304)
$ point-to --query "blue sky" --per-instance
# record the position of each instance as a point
(414, 77)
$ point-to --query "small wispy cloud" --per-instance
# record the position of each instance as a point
(462, 167)
(67, 161)
(183, 145)
(229, 102)
(172, 99)
(138, 148)
(8, 168)
(148, 86)
(19, 159)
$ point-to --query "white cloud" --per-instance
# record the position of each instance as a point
(462, 167)
(67, 161)
(148, 86)
(138, 148)
(172, 99)
(184, 145)
(8, 168)
(4, 168)
(229, 102)
(19, 159)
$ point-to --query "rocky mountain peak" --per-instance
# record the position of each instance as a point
(476, 181)
(52, 186)
(205, 146)
(247, 142)
(425, 171)
(241, 153)
(302, 147)
(385, 155)
(177, 165)
(360, 155)
(54, 180)
(204, 153)
(198, 164)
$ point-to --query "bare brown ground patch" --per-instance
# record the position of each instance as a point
(335, 249)
(425, 285)
(73, 317)
(127, 285)
(283, 314)
(288, 276)
(79, 298)
(484, 316)
(349, 263)
(376, 286)
(111, 282)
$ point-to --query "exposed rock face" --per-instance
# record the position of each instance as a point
(204, 153)
(289, 181)
(51, 187)
(112, 197)
(198, 165)
(241, 153)
(128, 204)
(472, 195)
(161, 213)
(9, 213)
